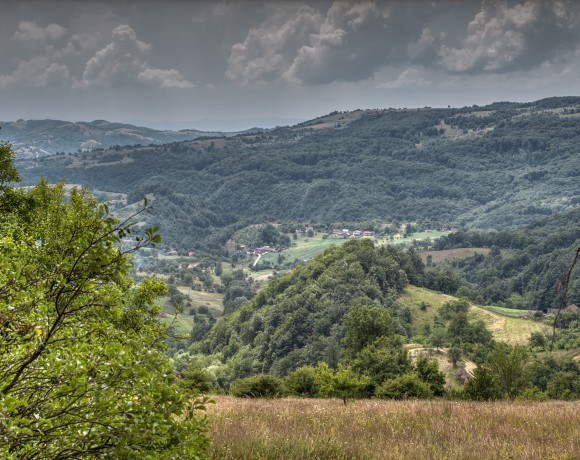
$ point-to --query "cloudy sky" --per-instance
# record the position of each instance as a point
(182, 62)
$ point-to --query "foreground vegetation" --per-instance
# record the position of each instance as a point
(373, 429)
(83, 373)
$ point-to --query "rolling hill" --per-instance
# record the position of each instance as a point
(499, 167)
(39, 138)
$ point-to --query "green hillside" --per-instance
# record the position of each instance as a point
(499, 166)
(297, 319)
(506, 325)
(524, 268)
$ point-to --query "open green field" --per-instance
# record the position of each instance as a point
(507, 328)
(212, 300)
(184, 322)
(418, 236)
(376, 429)
(413, 296)
(512, 312)
(504, 324)
(305, 249)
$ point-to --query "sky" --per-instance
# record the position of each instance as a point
(238, 64)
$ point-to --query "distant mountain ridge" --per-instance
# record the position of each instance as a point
(39, 138)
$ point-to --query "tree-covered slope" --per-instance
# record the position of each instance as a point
(500, 166)
(297, 319)
(525, 267)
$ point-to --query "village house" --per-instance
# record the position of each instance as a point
(263, 250)
(340, 232)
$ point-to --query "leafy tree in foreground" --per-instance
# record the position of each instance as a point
(82, 371)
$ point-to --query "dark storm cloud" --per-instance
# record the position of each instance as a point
(346, 41)
(176, 43)
(183, 59)
(501, 38)
(350, 40)
(88, 46)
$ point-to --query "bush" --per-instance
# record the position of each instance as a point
(429, 373)
(537, 339)
(406, 386)
(564, 385)
(483, 386)
(302, 382)
(196, 380)
(532, 394)
(257, 386)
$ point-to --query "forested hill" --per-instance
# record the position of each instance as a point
(298, 319)
(500, 166)
(525, 267)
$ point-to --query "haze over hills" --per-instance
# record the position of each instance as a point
(499, 167)
(219, 125)
(38, 138)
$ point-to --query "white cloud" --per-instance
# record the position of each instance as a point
(409, 78)
(124, 62)
(30, 31)
(87, 41)
(334, 51)
(37, 72)
(164, 78)
(215, 11)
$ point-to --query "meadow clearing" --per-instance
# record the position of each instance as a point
(380, 429)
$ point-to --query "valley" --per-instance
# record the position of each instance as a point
(359, 257)
(314, 229)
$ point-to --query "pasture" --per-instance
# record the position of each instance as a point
(379, 429)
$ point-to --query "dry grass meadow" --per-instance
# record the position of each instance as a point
(373, 429)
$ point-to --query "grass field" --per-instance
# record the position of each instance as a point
(184, 322)
(418, 236)
(507, 328)
(305, 249)
(413, 296)
(212, 300)
(508, 311)
(374, 429)
(504, 323)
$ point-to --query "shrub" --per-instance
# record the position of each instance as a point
(302, 382)
(257, 386)
(564, 385)
(406, 386)
(429, 373)
(483, 386)
(532, 394)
